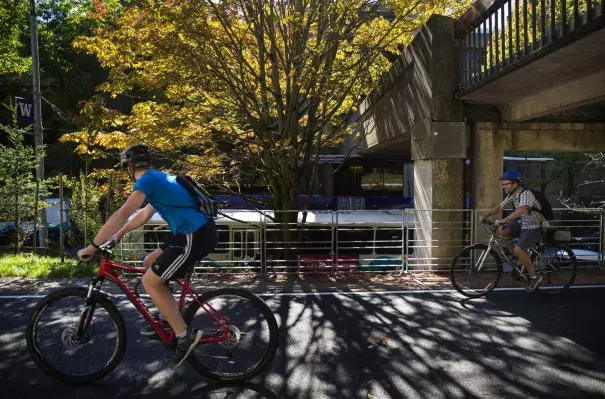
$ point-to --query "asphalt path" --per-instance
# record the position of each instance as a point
(406, 345)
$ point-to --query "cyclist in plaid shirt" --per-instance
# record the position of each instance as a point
(525, 222)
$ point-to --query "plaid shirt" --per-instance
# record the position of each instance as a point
(530, 219)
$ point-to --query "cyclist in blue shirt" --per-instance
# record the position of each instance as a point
(194, 237)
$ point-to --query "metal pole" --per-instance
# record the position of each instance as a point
(109, 188)
(85, 187)
(406, 219)
(17, 221)
(37, 114)
(263, 245)
(602, 239)
(335, 241)
(403, 234)
(61, 238)
(35, 216)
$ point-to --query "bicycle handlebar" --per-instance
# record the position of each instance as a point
(104, 249)
(489, 224)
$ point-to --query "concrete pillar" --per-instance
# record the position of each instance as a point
(487, 163)
(490, 140)
(438, 193)
(438, 144)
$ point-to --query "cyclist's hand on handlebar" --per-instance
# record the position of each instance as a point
(485, 220)
(115, 240)
(500, 222)
(86, 254)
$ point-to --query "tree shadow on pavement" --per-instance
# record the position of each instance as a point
(429, 345)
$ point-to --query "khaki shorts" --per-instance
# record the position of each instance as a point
(527, 237)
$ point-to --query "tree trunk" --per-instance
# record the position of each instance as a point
(286, 215)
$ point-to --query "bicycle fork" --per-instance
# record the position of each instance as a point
(481, 261)
(89, 309)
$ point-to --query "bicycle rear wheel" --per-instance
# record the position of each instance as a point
(475, 272)
(558, 266)
(253, 335)
(55, 345)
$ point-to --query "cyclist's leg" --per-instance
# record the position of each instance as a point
(179, 256)
(162, 298)
(147, 262)
(155, 278)
(151, 257)
(527, 239)
(510, 230)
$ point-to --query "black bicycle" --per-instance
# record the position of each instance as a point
(476, 270)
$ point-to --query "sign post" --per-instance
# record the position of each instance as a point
(37, 106)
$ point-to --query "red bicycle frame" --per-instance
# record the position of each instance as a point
(109, 269)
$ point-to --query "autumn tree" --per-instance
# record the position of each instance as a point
(250, 88)
(237, 91)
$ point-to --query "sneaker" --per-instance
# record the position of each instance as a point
(184, 346)
(149, 331)
(533, 283)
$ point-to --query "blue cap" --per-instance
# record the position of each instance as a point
(512, 176)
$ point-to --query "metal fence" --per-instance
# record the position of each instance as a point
(510, 30)
(355, 241)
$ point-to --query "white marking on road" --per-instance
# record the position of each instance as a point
(331, 293)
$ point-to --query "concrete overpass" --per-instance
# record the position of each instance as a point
(509, 75)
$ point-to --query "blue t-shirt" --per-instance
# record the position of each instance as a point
(171, 200)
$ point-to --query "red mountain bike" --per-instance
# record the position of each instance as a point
(77, 334)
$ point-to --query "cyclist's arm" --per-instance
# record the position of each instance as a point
(134, 202)
(493, 211)
(516, 214)
(140, 219)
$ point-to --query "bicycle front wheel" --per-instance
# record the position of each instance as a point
(558, 266)
(475, 271)
(253, 334)
(73, 342)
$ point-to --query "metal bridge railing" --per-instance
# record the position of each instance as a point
(510, 30)
(323, 242)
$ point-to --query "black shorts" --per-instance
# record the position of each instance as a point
(183, 251)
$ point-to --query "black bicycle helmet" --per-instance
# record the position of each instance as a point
(138, 155)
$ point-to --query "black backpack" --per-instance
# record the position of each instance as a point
(546, 210)
(206, 204)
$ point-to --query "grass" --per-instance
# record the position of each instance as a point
(32, 266)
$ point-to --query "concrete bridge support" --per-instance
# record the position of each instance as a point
(489, 141)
